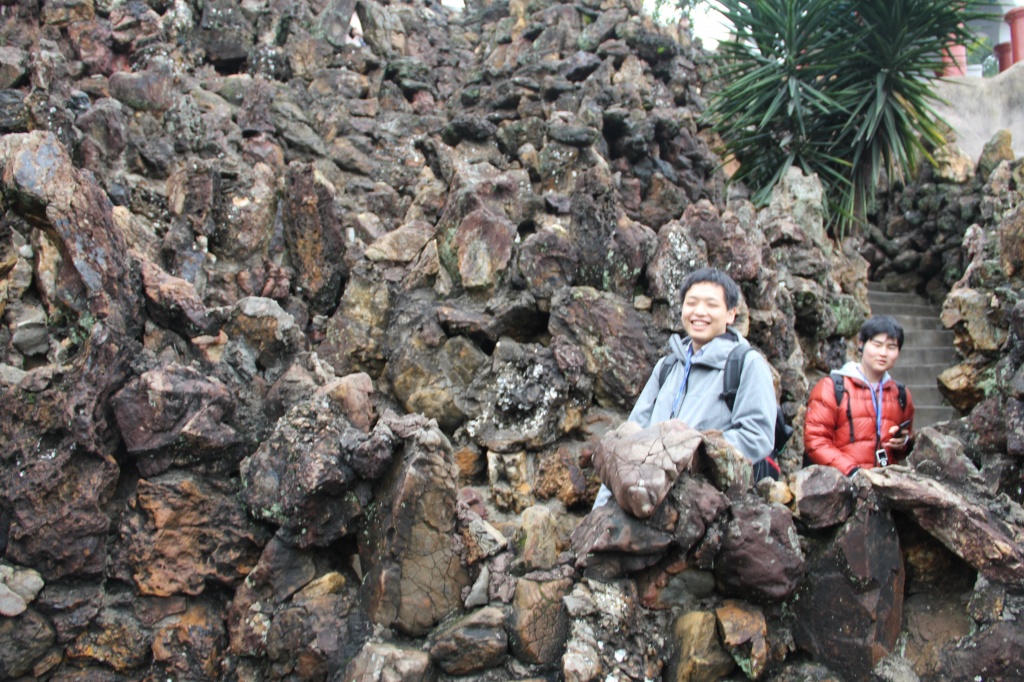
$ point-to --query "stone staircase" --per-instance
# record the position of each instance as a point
(927, 351)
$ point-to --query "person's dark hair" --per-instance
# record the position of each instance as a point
(714, 276)
(882, 324)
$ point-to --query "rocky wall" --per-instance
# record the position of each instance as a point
(955, 235)
(311, 328)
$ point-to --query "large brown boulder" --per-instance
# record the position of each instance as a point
(313, 232)
(56, 493)
(97, 280)
(983, 535)
(849, 607)
(312, 477)
(527, 397)
(760, 558)
(172, 410)
(184, 532)
(410, 549)
(614, 338)
(640, 465)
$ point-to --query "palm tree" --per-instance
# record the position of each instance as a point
(841, 88)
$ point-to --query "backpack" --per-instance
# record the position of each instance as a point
(840, 388)
(731, 385)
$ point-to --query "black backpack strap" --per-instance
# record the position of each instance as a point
(840, 388)
(670, 360)
(901, 395)
(733, 370)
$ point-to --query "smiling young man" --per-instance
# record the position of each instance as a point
(692, 389)
(871, 423)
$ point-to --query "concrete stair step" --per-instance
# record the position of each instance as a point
(904, 309)
(929, 415)
(919, 374)
(913, 354)
(915, 323)
(928, 350)
(926, 394)
(928, 338)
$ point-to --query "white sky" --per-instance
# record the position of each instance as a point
(708, 25)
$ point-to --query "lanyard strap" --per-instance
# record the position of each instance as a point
(687, 363)
(876, 400)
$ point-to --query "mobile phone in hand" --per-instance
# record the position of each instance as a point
(902, 429)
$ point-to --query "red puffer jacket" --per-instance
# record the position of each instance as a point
(827, 427)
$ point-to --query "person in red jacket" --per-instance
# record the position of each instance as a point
(872, 423)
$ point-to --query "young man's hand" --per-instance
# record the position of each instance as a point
(898, 438)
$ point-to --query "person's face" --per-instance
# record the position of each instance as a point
(705, 313)
(880, 354)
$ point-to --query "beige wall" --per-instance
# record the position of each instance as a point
(977, 108)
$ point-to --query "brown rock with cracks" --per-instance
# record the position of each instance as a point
(64, 12)
(301, 621)
(1011, 243)
(524, 401)
(698, 506)
(744, 634)
(475, 233)
(547, 261)
(640, 465)
(995, 652)
(726, 467)
(191, 644)
(147, 90)
(932, 624)
(105, 126)
(963, 384)
(24, 639)
(314, 235)
(429, 371)
(536, 537)
(382, 662)
(729, 245)
(316, 631)
(280, 572)
(56, 492)
(410, 551)
(472, 643)
(115, 639)
(677, 254)
(245, 214)
(612, 249)
(402, 245)
(38, 177)
(976, 532)
(354, 340)
(174, 303)
(610, 543)
(264, 326)
(312, 476)
(560, 476)
(539, 622)
(977, 318)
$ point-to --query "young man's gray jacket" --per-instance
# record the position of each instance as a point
(750, 425)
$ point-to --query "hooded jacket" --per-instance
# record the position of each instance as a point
(750, 425)
(827, 427)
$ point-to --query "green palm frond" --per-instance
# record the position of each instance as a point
(841, 88)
